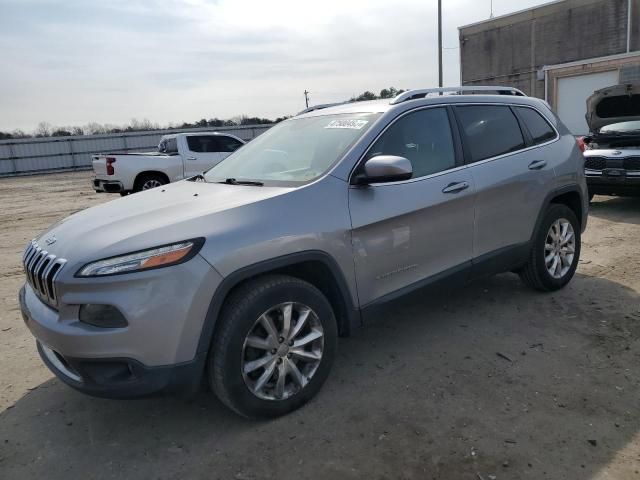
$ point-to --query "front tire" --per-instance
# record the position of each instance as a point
(555, 251)
(273, 347)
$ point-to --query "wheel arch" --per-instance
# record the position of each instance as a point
(149, 172)
(571, 196)
(315, 267)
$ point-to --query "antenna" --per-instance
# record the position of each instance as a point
(491, 14)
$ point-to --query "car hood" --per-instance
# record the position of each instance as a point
(172, 213)
(615, 104)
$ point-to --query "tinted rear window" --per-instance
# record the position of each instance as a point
(538, 127)
(489, 130)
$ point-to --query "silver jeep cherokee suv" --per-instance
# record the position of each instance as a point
(247, 274)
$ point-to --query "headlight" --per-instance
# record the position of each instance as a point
(163, 256)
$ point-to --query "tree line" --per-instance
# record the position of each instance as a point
(45, 129)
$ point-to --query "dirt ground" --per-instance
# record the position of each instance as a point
(496, 381)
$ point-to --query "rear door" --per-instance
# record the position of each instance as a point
(511, 175)
(408, 232)
(203, 152)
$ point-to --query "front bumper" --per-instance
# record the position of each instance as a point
(599, 183)
(122, 377)
(107, 186)
(157, 351)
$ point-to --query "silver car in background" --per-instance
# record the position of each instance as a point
(247, 274)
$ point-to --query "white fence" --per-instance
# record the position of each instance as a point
(32, 155)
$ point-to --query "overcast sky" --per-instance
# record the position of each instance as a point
(77, 61)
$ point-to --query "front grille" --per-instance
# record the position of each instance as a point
(41, 270)
(595, 163)
(632, 163)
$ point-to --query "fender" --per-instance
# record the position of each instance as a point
(352, 312)
(573, 188)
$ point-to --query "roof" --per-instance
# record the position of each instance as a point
(507, 15)
(384, 105)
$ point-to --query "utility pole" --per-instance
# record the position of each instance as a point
(440, 43)
(306, 98)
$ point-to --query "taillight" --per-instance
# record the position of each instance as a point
(110, 162)
(581, 145)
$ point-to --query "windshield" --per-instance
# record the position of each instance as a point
(622, 127)
(294, 151)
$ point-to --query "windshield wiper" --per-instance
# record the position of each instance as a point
(233, 181)
(197, 177)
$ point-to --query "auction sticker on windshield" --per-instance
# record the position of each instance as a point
(346, 123)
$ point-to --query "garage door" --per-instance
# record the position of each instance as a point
(572, 97)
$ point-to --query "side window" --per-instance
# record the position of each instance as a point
(203, 143)
(229, 144)
(423, 137)
(538, 127)
(490, 130)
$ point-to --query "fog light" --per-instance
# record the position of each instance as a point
(104, 316)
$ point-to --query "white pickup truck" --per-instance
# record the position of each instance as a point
(180, 155)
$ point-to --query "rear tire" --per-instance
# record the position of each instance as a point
(147, 181)
(555, 251)
(252, 330)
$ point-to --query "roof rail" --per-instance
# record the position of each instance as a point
(469, 90)
(320, 107)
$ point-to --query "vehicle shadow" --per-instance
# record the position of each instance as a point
(491, 379)
(616, 209)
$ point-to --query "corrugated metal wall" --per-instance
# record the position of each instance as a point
(32, 155)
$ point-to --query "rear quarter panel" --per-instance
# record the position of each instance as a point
(568, 163)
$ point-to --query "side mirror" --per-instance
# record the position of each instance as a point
(384, 168)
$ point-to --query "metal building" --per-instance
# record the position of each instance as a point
(50, 154)
(561, 51)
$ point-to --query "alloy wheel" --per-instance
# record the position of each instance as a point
(559, 248)
(282, 351)
(153, 183)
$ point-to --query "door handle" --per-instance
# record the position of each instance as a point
(537, 165)
(455, 187)
(191, 158)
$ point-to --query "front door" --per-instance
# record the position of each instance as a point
(409, 232)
